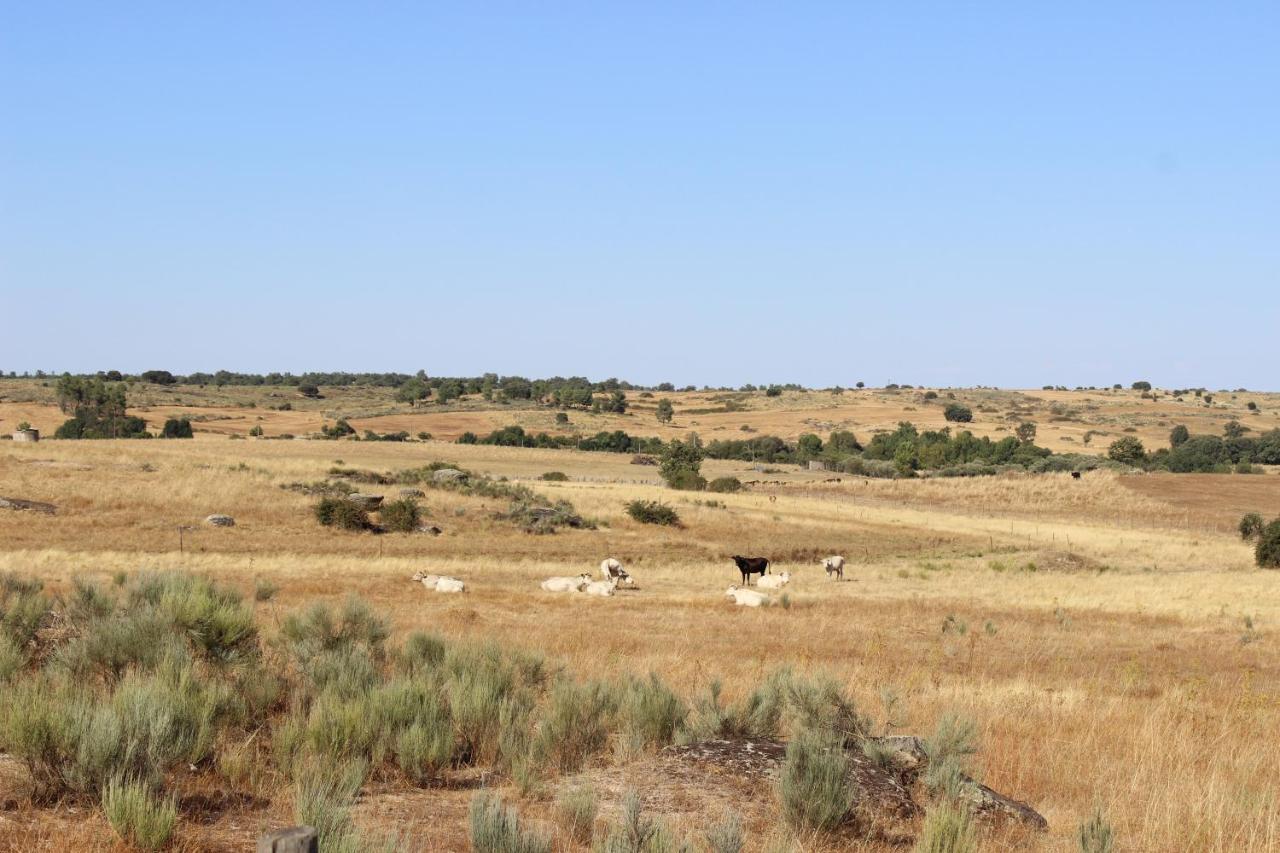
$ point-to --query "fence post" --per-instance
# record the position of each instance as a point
(292, 839)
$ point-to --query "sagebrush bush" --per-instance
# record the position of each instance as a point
(554, 477)
(264, 590)
(1095, 835)
(820, 705)
(421, 653)
(725, 484)
(496, 828)
(653, 512)
(637, 833)
(341, 513)
(813, 784)
(725, 836)
(756, 715)
(576, 723)
(401, 516)
(138, 817)
(1267, 552)
(950, 749)
(649, 715)
(947, 829)
(318, 628)
(23, 608)
(12, 658)
(576, 811)
(324, 796)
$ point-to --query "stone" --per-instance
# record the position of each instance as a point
(33, 506)
(412, 493)
(448, 475)
(218, 520)
(366, 501)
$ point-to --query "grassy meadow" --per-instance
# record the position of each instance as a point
(1109, 636)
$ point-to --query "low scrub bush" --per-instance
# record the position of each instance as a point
(947, 829)
(725, 836)
(554, 477)
(653, 512)
(1267, 553)
(401, 516)
(756, 715)
(318, 628)
(576, 723)
(725, 484)
(496, 828)
(576, 811)
(1251, 526)
(341, 513)
(649, 715)
(950, 749)
(177, 428)
(137, 817)
(814, 783)
(1095, 835)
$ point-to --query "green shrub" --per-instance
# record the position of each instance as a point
(725, 836)
(947, 829)
(495, 828)
(318, 629)
(12, 658)
(424, 749)
(136, 816)
(814, 783)
(576, 811)
(725, 484)
(950, 748)
(264, 590)
(680, 464)
(341, 513)
(637, 833)
(649, 715)
(576, 723)
(177, 428)
(957, 413)
(756, 715)
(401, 516)
(23, 608)
(653, 512)
(1251, 526)
(1267, 552)
(554, 476)
(256, 431)
(323, 797)
(1128, 450)
(1095, 835)
(421, 653)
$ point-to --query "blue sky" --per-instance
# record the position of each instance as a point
(947, 194)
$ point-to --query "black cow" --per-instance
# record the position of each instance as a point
(751, 566)
(1075, 475)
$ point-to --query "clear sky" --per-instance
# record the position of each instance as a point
(946, 193)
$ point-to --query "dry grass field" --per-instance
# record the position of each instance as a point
(1118, 650)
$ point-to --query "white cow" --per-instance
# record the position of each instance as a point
(834, 566)
(561, 584)
(777, 581)
(746, 597)
(429, 581)
(450, 585)
(601, 588)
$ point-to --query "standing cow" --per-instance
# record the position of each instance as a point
(835, 567)
(751, 566)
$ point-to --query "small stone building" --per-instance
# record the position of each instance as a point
(817, 465)
(26, 435)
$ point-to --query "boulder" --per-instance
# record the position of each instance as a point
(33, 506)
(430, 528)
(366, 501)
(448, 475)
(412, 493)
(218, 520)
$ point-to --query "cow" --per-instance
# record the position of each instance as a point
(834, 566)
(751, 566)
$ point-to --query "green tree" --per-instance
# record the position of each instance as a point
(412, 391)
(1128, 450)
(1026, 432)
(617, 403)
(665, 411)
(808, 446)
(177, 428)
(957, 413)
(1267, 553)
(1234, 429)
(1142, 386)
(1251, 526)
(1178, 436)
(681, 464)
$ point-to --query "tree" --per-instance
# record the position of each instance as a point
(957, 413)
(1128, 450)
(1251, 406)
(1234, 429)
(158, 377)
(773, 391)
(562, 418)
(1178, 436)
(808, 446)
(1142, 386)
(309, 390)
(843, 443)
(97, 408)
(1251, 526)
(412, 391)
(1267, 554)
(617, 403)
(1026, 432)
(177, 428)
(665, 411)
(862, 385)
(681, 464)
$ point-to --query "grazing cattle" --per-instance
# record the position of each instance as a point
(751, 566)
(777, 581)
(450, 585)
(612, 570)
(601, 588)
(834, 566)
(573, 584)
(1075, 475)
(746, 597)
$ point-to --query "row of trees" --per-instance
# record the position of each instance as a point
(98, 410)
(1188, 453)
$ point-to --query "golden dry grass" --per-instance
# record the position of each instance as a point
(1115, 673)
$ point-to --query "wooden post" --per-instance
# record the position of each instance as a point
(292, 839)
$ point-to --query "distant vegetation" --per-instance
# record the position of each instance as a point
(97, 408)
(1188, 453)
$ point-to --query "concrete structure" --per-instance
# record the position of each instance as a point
(26, 435)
